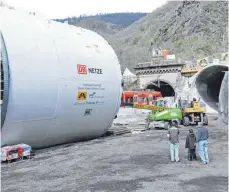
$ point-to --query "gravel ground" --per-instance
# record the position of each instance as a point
(131, 162)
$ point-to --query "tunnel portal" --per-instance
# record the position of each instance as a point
(165, 88)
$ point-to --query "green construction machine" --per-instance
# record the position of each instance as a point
(185, 113)
(160, 116)
(163, 119)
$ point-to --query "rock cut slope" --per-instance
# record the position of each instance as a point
(191, 29)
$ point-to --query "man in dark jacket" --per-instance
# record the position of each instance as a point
(173, 135)
(202, 139)
(191, 145)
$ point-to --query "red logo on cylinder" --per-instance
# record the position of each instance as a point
(82, 69)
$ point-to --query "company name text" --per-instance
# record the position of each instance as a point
(94, 70)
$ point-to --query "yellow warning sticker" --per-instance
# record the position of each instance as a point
(82, 95)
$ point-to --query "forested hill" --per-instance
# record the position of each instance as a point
(121, 19)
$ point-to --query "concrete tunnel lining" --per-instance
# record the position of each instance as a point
(208, 84)
(223, 100)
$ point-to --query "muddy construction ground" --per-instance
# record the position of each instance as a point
(131, 162)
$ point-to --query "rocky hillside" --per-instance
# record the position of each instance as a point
(190, 29)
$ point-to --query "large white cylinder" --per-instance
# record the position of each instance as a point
(61, 83)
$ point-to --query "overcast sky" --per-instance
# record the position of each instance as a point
(67, 8)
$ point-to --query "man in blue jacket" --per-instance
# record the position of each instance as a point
(202, 139)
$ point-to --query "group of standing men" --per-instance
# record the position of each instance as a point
(191, 143)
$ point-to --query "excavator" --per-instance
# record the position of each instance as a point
(192, 113)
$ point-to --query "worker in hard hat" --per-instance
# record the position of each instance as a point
(173, 135)
(192, 103)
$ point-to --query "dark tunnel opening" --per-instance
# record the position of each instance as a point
(165, 88)
(208, 84)
(214, 86)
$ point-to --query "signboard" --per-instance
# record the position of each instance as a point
(170, 57)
